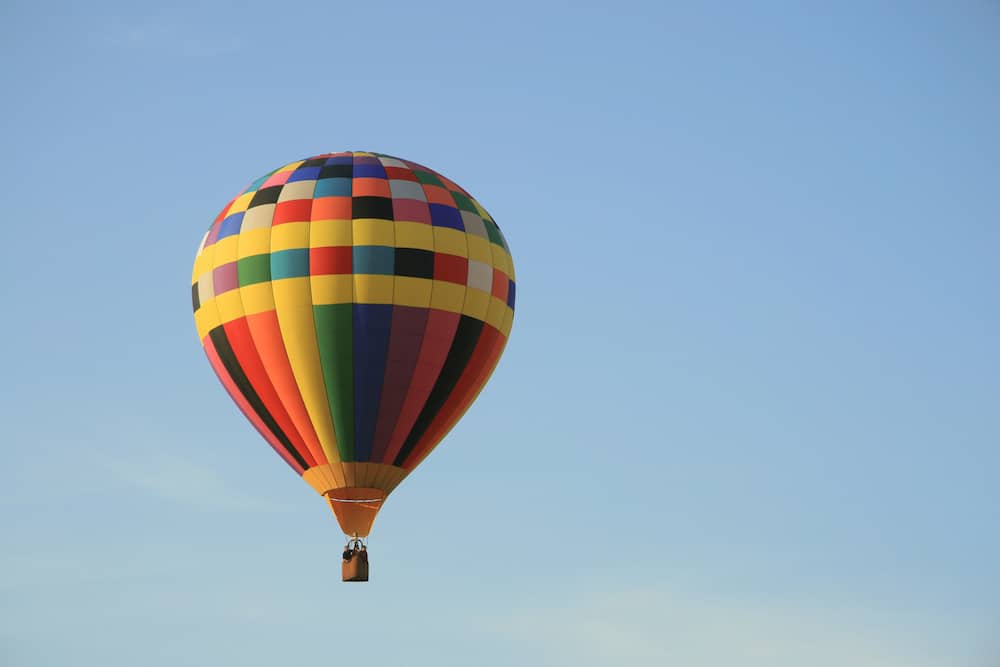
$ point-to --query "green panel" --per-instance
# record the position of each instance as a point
(463, 202)
(335, 335)
(254, 269)
(427, 178)
(494, 233)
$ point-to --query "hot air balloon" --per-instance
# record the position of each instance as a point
(353, 305)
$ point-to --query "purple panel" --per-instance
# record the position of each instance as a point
(408, 324)
(225, 278)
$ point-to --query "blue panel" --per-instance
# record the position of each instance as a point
(304, 174)
(377, 259)
(372, 323)
(290, 263)
(375, 170)
(230, 225)
(510, 294)
(446, 216)
(342, 159)
(333, 187)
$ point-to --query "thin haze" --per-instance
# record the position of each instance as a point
(750, 409)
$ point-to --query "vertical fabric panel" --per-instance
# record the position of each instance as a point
(335, 335)
(224, 353)
(245, 407)
(293, 303)
(372, 324)
(461, 350)
(405, 341)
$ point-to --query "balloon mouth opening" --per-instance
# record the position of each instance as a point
(356, 508)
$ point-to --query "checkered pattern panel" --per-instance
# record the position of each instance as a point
(353, 304)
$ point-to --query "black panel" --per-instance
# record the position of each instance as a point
(195, 301)
(337, 171)
(372, 207)
(414, 262)
(266, 196)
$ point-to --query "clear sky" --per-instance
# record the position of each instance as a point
(750, 409)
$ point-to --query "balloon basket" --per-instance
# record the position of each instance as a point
(355, 562)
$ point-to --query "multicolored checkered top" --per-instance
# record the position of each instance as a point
(353, 305)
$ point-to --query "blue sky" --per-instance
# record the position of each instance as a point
(750, 408)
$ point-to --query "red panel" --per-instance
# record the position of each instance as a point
(452, 268)
(234, 393)
(437, 195)
(400, 174)
(238, 333)
(438, 336)
(453, 186)
(332, 259)
(296, 210)
(271, 349)
(500, 285)
(477, 371)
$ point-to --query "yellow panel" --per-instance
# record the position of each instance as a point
(372, 289)
(291, 166)
(482, 211)
(412, 291)
(320, 478)
(479, 249)
(447, 296)
(508, 322)
(450, 241)
(254, 242)
(477, 302)
(332, 289)
(501, 259)
(201, 265)
(510, 267)
(225, 251)
(351, 474)
(337, 472)
(324, 233)
(297, 190)
(241, 203)
(368, 231)
(206, 318)
(289, 236)
(230, 305)
(298, 331)
(414, 235)
(496, 312)
(257, 298)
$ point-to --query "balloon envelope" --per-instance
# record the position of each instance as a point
(353, 305)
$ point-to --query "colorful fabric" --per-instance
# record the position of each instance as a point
(353, 305)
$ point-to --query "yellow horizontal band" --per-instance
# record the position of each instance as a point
(289, 236)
